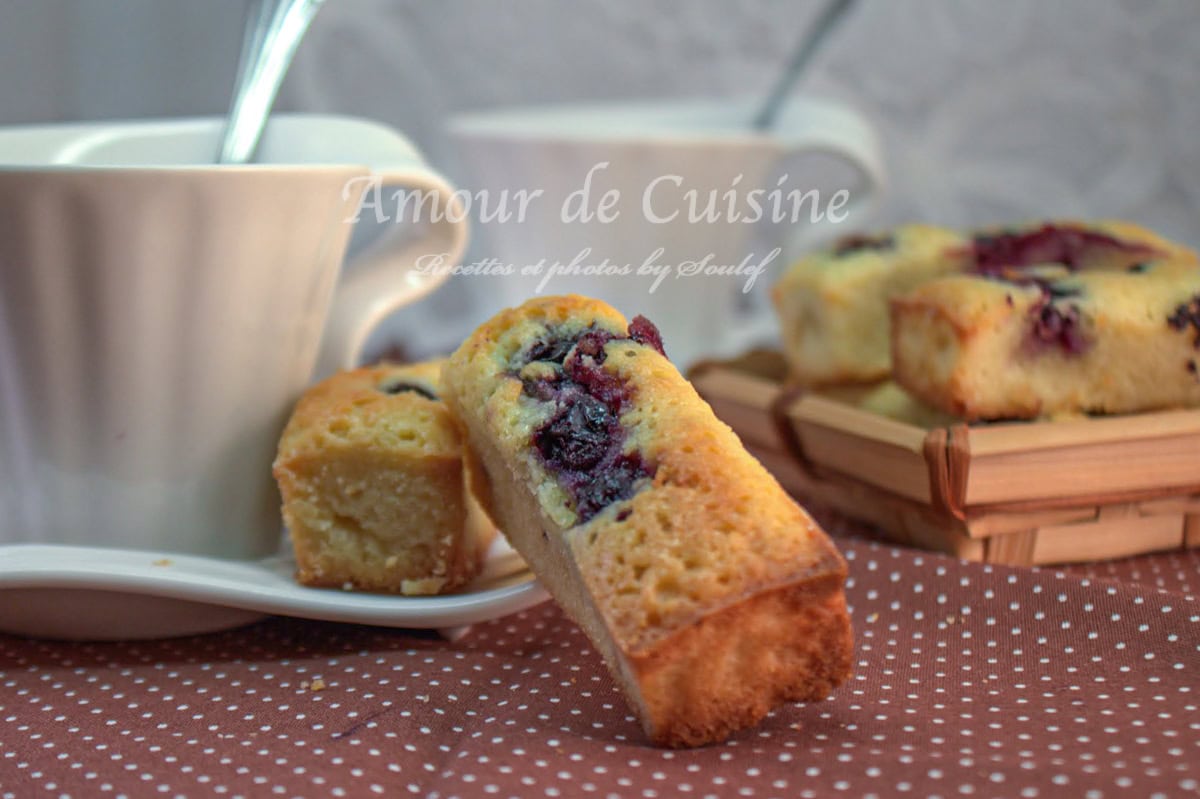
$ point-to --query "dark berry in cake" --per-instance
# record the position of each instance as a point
(1049, 244)
(579, 433)
(612, 482)
(588, 373)
(400, 387)
(1187, 315)
(1054, 327)
(643, 331)
(552, 349)
(591, 344)
(848, 245)
(582, 443)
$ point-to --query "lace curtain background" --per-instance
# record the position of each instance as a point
(989, 111)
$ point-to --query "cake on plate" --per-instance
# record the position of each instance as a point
(379, 491)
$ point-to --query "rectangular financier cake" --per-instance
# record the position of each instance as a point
(377, 486)
(1045, 343)
(710, 594)
(833, 305)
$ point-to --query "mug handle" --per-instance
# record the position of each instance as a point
(834, 129)
(844, 133)
(387, 276)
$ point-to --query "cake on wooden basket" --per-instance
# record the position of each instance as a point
(833, 305)
(710, 593)
(1017, 492)
(1034, 343)
(378, 487)
(1041, 405)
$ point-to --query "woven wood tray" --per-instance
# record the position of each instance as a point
(1021, 493)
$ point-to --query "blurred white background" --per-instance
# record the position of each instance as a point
(990, 111)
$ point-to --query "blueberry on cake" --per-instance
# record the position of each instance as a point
(833, 304)
(1110, 245)
(1026, 343)
(378, 487)
(710, 593)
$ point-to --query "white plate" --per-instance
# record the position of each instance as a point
(88, 593)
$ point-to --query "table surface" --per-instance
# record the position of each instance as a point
(970, 680)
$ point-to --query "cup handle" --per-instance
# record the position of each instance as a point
(388, 274)
(845, 134)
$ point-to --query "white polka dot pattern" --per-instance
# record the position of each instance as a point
(1177, 571)
(970, 680)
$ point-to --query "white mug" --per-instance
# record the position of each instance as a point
(159, 315)
(606, 188)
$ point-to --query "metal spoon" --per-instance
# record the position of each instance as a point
(274, 29)
(808, 46)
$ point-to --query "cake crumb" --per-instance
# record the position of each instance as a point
(317, 685)
(164, 562)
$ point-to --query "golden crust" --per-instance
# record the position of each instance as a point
(789, 644)
(374, 486)
(710, 562)
(350, 406)
(833, 309)
(962, 344)
(722, 528)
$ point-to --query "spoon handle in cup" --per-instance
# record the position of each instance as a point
(807, 48)
(274, 29)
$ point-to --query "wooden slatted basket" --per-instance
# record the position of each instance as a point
(1022, 493)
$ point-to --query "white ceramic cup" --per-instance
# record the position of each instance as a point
(643, 158)
(159, 316)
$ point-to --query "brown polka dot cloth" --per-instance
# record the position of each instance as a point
(970, 680)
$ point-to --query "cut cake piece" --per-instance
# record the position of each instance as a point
(378, 487)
